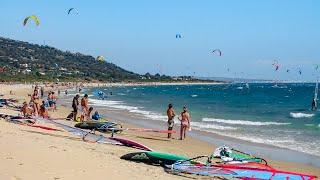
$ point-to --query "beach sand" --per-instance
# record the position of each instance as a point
(33, 153)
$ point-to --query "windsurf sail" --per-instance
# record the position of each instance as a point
(86, 136)
(130, 143)
(150, 130)
(232, 156)
(243, 171)
(316, 90)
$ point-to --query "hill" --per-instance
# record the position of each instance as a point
(22, 61)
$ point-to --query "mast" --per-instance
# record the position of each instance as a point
(316, 90)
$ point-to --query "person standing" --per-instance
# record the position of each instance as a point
(170, 114)
(185, 122)
(35, 99)
(84, 107)
(75, 104)
(42, 91)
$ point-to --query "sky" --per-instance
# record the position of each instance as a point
(140, 35)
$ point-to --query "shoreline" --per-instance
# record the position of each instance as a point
(268, 151)
(190, 147)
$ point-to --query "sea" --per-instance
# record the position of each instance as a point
(273, 114)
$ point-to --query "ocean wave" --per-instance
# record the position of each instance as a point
(309, 124)
(202, 126)
(148, 114)
(243, 122)
(194, 95)
(282, 142)
(300, 115)
(111, 104)
(132, 109)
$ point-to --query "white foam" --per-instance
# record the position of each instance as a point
(151, 115)
(301, 115)
(243, 122)
(202, 126)
(284, 142)
(309, 124)
(111, 104)
(121, 94)
(194, 95)
(132, 109)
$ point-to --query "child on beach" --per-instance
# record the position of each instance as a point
(96, 116)
(170, 114)
(185, 122)
(88, 115)
(43, 111)
(26, 110)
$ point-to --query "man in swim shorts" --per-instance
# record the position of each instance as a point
(170, 114)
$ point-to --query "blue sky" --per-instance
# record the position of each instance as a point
(139, 35)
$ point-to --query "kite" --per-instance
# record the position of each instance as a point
(100, 58)
(178, 36)
(217, 51)
(276, 65)
(32, 17)
(72, 9)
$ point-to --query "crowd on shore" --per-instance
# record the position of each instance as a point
(39, 105)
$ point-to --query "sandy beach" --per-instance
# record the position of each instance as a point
(32, 153)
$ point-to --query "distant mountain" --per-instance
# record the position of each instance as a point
(22, 61)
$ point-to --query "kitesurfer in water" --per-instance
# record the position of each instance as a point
(170, 114)
(314, 105)
(185, 122)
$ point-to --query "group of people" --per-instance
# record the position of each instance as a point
(184, 118)
(86, 111)
(37, 106)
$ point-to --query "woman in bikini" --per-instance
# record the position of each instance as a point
(185, 122)
(35, 99)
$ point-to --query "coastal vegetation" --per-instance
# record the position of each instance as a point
(25, 62)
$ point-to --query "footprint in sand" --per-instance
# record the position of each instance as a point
(20, 164)
(16, 178)
(9, 157)
(53, 147)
